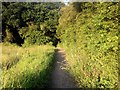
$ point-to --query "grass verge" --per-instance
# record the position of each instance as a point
(31, 68)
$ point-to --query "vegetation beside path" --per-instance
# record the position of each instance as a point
(26, 67)
(88, 31)
(89, 34)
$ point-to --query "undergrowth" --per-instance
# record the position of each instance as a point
(91, 44)
(26, 67)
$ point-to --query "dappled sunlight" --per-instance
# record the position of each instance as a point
(60, 78)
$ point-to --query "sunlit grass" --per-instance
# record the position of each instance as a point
(26, 67)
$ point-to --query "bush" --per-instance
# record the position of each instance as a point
(33, 35)
(91, 44)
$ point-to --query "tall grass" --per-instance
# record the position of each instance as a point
(11, 54)
(29, 66)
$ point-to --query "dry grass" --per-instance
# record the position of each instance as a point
(26, 67)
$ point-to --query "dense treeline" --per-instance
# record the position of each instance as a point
(30, 22)
(87, 30)
(89, 33)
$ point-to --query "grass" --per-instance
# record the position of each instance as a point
(26, 67)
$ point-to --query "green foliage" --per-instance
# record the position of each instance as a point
(31, 70)
(91, 43)
(9, 36)
(33, 35)
(17, 15)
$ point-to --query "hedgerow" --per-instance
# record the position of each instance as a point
(91, 44)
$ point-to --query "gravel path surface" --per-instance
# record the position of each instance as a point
(60, 78)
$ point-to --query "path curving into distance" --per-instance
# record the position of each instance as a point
(60, 78)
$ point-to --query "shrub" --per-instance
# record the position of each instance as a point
(91, 44)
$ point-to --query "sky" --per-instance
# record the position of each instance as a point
(66, 2)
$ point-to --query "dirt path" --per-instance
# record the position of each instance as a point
(60, 77)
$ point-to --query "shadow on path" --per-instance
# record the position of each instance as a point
(60, 78)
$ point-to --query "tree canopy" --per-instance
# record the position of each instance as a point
(30, 22)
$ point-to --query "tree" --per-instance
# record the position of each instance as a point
(17, 15)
